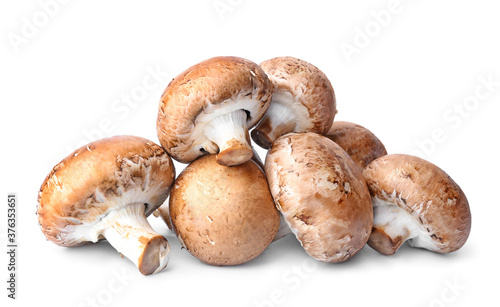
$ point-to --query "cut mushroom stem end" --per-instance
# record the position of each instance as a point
(384, 243)
(130, 234)
(230, 133)
(278, 120)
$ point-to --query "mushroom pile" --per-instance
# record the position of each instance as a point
(331, 184)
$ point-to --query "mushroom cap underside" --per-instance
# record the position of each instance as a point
(308, 86)
(204, 91)
(425, 192)
(98, 178)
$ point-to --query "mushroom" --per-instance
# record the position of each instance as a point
(304, 100)
(322, 195)
(209, 108)
(223, 215)
(105, 190)
(360, 143)
(415, 201)
(164, 212)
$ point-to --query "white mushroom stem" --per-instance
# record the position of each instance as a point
(129, 232)
(230, 133)
(392, 226)
(279, 119)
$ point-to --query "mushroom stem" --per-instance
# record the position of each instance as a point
(230, 133)
(130, 234)
(392, 226)
(384, 243)
(278, 120)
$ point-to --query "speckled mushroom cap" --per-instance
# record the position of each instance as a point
(322, 195)
(205, 91)
(223, 215)
(304, 100)
(360, 143)
(117, 176)
(164, 212)
(415, 200)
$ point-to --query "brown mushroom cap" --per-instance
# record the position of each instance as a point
(360, 143)
(304, 100)
(322, 195)
(223, 215)
(102, 180)
(415, 200)
(196, 99)
(164, 212)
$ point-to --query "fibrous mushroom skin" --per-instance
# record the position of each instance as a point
(230, 90)
(105, 178)
(322, 195)
(416, 201)
(304, 100)
(360, 143)
(223, 215)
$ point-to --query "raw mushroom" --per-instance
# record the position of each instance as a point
(223, 215)
(322, 195)
(210, 107)
(360, 143)
(415, 201)
(105, 190)
(304, 100)
(283, 230)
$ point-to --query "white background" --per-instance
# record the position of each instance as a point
(64, 80)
